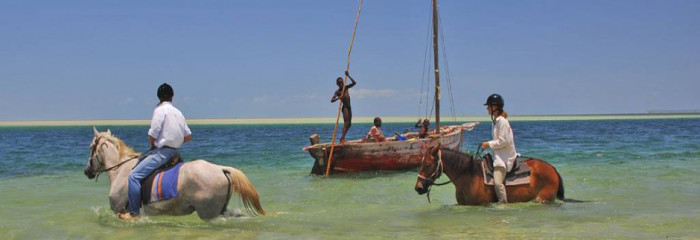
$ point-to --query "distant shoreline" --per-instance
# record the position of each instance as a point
(328, 120)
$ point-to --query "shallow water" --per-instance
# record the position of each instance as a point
(639, 174)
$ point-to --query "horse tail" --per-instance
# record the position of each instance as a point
(560, 192)
(249, 195)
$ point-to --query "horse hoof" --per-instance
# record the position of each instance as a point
(234, 213)
(237, 212)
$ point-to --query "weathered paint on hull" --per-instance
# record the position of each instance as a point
(392, 155)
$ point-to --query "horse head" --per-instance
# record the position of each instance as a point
(430, 169)
(102, 150)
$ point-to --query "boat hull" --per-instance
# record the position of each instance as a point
(379, 156)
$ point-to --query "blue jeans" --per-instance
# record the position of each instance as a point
(157, 158)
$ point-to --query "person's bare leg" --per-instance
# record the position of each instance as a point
(347, 122)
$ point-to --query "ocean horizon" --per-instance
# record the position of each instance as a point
(356, 119)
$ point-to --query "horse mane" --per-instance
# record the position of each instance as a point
(124, 150)
(457, 160)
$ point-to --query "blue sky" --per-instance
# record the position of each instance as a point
(83, 60)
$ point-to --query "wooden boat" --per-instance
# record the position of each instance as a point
(354, 156)
(393, 154)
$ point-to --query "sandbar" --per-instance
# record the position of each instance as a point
(362, 119)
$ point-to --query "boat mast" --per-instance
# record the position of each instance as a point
(437, 69)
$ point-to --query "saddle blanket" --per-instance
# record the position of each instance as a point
(161, 185)
(518, 176)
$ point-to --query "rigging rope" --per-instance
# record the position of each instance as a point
(340, 104)
(447, 72)
(427, 54)
(423, 75)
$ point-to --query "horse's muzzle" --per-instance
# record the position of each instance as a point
(421, 191)
(89, 173)
(421, 187)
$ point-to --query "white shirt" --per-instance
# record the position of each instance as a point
(502, 144)
(377, 134)
(168, 126)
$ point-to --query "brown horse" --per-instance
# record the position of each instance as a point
(467, 176)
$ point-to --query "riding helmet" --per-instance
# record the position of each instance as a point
(494, 99)
(165, 91)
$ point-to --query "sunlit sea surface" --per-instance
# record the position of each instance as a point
(641, 176)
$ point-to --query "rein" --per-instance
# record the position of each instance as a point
(118, 165)
(440, 184)
(97, 174)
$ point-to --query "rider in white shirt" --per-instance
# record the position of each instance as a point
(168, 126)
(167, 133)
(502, 144)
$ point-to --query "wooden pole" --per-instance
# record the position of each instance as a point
(437, 68)
(340, 105)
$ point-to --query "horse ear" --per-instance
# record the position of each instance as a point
(109, 132)
(435, 149)
(95, 131)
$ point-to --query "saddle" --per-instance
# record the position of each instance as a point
(167, 171)
(519, 174)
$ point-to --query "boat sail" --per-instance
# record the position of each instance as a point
(355, 156)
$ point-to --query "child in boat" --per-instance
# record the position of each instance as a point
(503, 145)
(344, 97)
(423, 128)
(375, 132)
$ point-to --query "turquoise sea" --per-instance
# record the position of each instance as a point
(641, 177)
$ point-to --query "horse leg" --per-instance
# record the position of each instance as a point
(208, 188)
(210, 208)
(541, 199)
(204, 187)
(546, 182)
(547, 193)
(215, 201)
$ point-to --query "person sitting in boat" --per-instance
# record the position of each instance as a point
(375, 132)
(423, 128)
(503, 145)
(344, 97)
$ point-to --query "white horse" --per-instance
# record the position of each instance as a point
(202, 186)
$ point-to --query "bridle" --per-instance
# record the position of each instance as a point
(93, 156)
(430, 180)
(438, 170)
